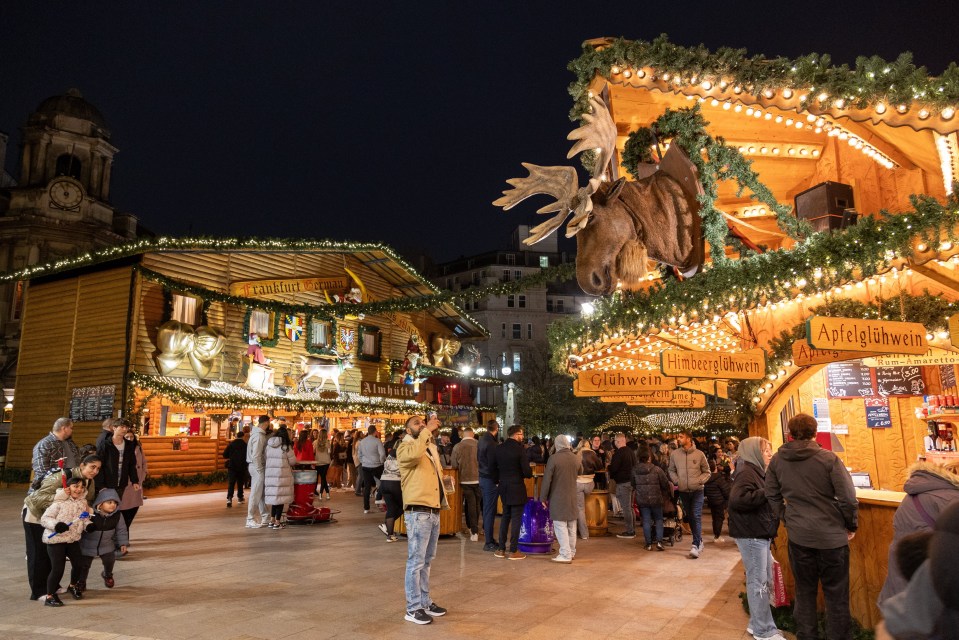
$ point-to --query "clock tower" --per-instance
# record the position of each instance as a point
(59, 204)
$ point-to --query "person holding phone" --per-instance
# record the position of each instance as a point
(421, 479)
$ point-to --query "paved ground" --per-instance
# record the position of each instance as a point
(194, 571)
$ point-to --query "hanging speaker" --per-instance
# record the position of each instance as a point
(823, 205)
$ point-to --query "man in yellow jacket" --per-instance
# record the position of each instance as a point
(421, 479)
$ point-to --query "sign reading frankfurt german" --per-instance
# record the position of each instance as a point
(696, 401)
(749, 365)
(652, 396)
(604, 383)
(854, 334)
(804, 355)
(257, 288)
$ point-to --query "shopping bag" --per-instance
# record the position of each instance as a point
(779, 598)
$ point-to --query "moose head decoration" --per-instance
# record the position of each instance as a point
(620, 225)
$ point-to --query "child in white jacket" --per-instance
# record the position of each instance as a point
(64, 522)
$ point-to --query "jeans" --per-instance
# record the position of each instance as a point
(831, 567)
(422, 532)
(624, 493)
(692, 502)
(256, 504)
(583, 489)
(651, 515)
(235, 480)
(512, 515)
(759, 582)
(565, 531)
(488, 489)
(371, 478)
(471, 494)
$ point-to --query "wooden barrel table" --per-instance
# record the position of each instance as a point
(451, 520)
(596, 511)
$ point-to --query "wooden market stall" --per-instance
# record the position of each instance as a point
(182, 335)
(823, 195)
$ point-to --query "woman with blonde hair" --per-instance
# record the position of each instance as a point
(321, 455)
(337, 460)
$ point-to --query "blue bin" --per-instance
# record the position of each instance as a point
(536, 530)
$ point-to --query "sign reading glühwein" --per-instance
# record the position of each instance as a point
(855, 334)
(749, 365)
(804, 355)
(652, 396)
(603, 383)
(388, 390)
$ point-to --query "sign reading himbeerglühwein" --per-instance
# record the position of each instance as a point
(749, 365)
(652, 396)
(387, 390)
(804, 355)
(855, 334)
(602, 383)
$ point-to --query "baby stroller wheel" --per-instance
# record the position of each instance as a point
(679, 534)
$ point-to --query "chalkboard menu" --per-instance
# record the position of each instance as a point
(849, 380)
(877, 413)
(899, 381)
(92, 403)
(948, 376)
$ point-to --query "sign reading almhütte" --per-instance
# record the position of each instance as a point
(388, 390)
(677, 395)
(854, 334)
(696, 401)
(255, 288)
(601, 383)
(749, 365)
(804, 355)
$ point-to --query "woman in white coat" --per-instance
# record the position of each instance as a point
(278, 476)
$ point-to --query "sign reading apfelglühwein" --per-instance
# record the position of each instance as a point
(804, 355)
(601, 383)
(749, 365)
(855, 334)
(387, 390)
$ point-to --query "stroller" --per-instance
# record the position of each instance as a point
(302, 509)
(672, 518)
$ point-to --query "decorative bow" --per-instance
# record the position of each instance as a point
(176, 341)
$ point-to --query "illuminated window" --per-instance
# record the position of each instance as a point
(320, 334)
(17, 308)
(369, 342)
(186, 309)
(261, 323)
(517, 361)
(543, 262)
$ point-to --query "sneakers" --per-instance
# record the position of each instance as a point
(694, 551)
(435, 610)
(490, 546)
(648, 547)
(418, 617)
(229, 504)
(499, 553)
(382, 527)
(660, 547)
(379, 502)
(52, 601)
(250, 524)
(392, 538)
(75, 592)
(626, 535)
(719, 539)
(517, 555)
(562, 559)
(775, 636)
(366, 510)
(474, 537)
(107, 580)
(240, 501)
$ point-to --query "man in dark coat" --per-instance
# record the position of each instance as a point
(235, 454)
(510, 466)
(558, 493)
(487, 484)
(821, 515)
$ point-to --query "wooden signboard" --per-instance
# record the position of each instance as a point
(954, 330)
(604, 383)
(696, 401)
(718, 388)
(934, 356)
(948, 376)
(804, 355)
(272, 287)
(749, 365)
(854, 334)
(680, 396)
(849, 380)
(877, 413)
(899, 381)
(387, 390)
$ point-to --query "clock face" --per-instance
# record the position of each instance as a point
(66, 193)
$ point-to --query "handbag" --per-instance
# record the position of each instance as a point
(779, 598)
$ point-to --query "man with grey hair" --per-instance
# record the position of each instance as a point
(558, 493)
(49, 450)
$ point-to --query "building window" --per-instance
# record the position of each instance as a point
(321, 334)
(522, 302)
(476, 277)
(517, 274)
(543, 262)
(517, 331)
(511, 301)
(517, 361)
(529, 331)
(510, 258)
(503, 335)
(69, 165)
(549, 305)
(506, 273)
(369, 342)
(261, 323)
(17, 308)
(559, 306)
(186, 309)
(449, 283)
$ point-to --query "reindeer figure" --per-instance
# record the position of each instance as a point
(618, 226)
(323, 369)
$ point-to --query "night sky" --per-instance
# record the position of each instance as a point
(369, 121)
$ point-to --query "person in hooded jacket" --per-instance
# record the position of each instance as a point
(559, 495)
(930, 488)
(753, 526)
(811, 488)
(278, 475)
(106, 533)
(652, 489)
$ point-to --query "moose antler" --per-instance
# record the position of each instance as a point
(599, 132)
